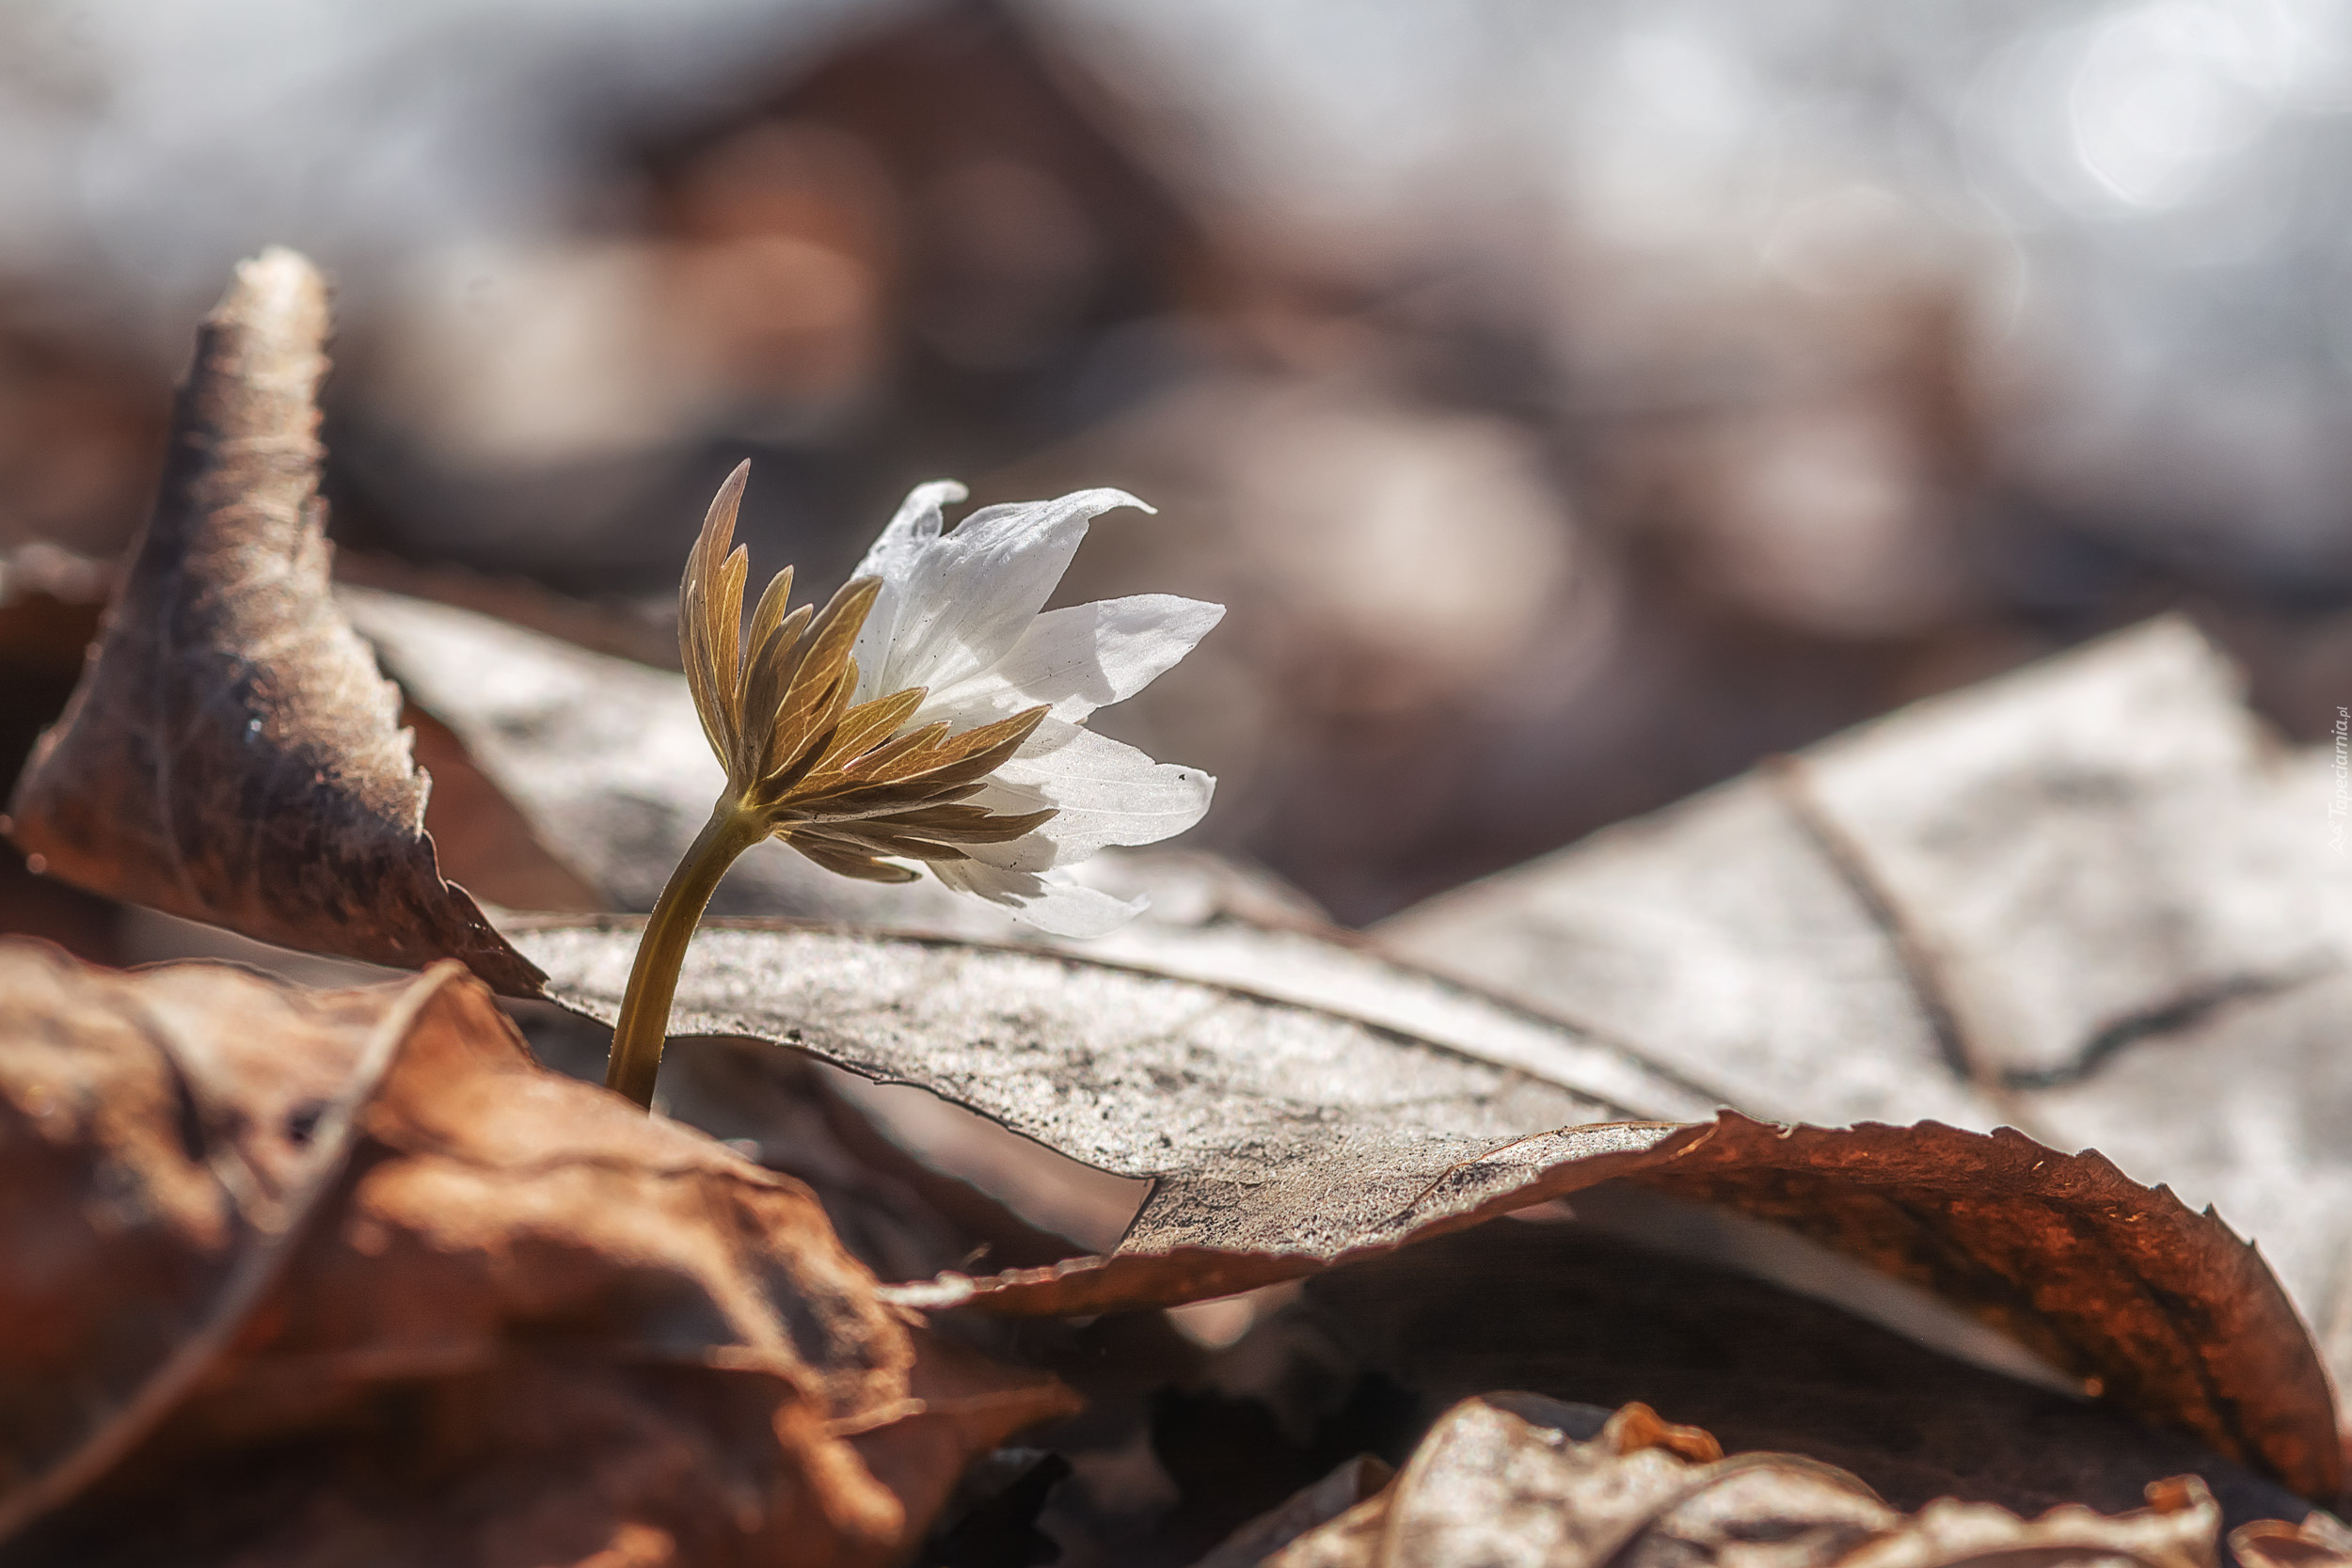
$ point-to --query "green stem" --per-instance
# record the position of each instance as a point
(644, 1023)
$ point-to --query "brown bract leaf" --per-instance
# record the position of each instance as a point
(774, 700)
(231, 754)
(1504, 1481)
(605, 757)
(1283, 1140)
(304, 1276)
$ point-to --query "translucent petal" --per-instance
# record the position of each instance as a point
(915, 524)
(1051, 902)
(1103, 792)
(969, 594)
(1083, 658)
(892, 558)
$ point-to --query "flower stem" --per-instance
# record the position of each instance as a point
(644, 1022)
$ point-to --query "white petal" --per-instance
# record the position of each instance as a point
(970, 595)
(1032, 851)
(1050, 903)
(1088, 657)
(915, 525)
(892, 558)
(1105, 792)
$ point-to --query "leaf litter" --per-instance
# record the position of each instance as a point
(1298, 1100)
(1724, 955)
(1188, 1198)
(479, 1300)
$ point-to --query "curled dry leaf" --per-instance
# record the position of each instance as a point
(296, 1276)
(1506, 1480)
(232, 755)
(2091, 900)
(1282, 1139)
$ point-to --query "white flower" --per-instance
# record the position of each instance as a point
(927, 713)
(958, 615)
(930, 713)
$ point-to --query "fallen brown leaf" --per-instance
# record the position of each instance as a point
(1279, 1137)
(1504, 1481)
(533, 727)
(2155, 1307)
(1283, 1140)
(2091, 900)
(231, 754)
(293, 1276)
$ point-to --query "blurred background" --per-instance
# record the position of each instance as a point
(1576, 401)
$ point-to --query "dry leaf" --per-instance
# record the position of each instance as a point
(2153, 1305)
(1282, 1139)
(1504, 1480)
(1279, 1137)
(2091, 900)
(296, 1274)
(231, 754)
(898, 1215)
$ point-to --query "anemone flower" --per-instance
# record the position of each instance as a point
(932, 715)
